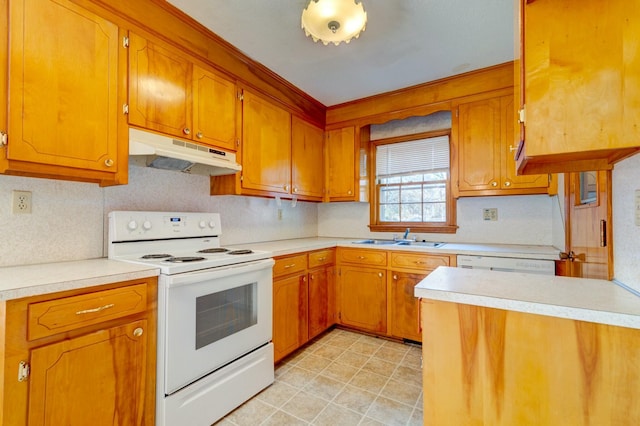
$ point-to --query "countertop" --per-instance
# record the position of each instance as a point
(31, 280)
(582, 299)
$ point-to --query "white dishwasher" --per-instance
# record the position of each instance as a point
(507, 264)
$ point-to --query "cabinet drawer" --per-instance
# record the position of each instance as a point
(363, 257)
(418, 261)
(290, 265)
(69, 313)
(321, 258)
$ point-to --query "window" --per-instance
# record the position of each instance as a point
(411, 186)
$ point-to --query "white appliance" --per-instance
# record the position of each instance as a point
(508, 264)
(214, 312)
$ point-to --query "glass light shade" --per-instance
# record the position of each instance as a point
(334, 21)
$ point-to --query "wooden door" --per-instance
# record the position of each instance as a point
(479, 133)
(319, 302)
(404, 306)
(214, 110)
(96, 379)
(362, 297)
(63, 86)
(266, 150)
(307, 165)
(342, 169)
(160, 88)
(588, 229)
(290, 313)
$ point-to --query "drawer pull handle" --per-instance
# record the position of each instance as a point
(138, 332)
(289, 266)
(361, 257)
(419, 262)
(98, 309)
(320, 259)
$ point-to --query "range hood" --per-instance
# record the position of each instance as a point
(163, 152)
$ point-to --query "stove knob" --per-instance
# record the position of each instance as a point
(212, 224)
(202, 224)
(132, 225)
(146, 225)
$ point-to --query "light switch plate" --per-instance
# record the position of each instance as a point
(637, 205)
(490, 214)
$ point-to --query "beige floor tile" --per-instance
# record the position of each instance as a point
(341, 372)
(277, 394)
(368, 421)
(408, 375)
(402, 392)
(334, 415)
(387, 353)
(251, 413)
(413, 359)
(389, 412)
(305, 406)
(355, 399)
(369, 381)
(280, 418)
(379, 366)
(364, 348)
(343, 340)
(416, 418)
(353, 359)
(313, 363)
(324, 387)
(298, 377)
(328, 351)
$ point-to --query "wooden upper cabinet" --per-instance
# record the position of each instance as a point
(214, 111)
(307, 165)
(168, 93)
(65, 113)
(581, 80)
(160, 88)
(485, 147)
(342, 169)
(266, 145)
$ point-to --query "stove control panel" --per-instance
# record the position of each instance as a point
(137, 225)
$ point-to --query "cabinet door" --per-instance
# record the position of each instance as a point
(214, 111)
(160, 83)
(290, 312)
(307, 167)
(266, 148)
(479, 145)
(321, 300)
(63, 85)
(363, 298)
(342, 168)
(404, 306)
(96, 379)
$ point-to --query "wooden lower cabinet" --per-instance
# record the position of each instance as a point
(485, 366)
(93, 362)
(404, 308)
(303, 299)
(363, 298)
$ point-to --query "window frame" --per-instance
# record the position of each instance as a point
(375, 225)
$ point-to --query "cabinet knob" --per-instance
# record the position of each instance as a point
(304, 279)
(494, 184)
(380, 274)
(311, 277)
(507, 183)
(199, 135)
(138, 332)
(294, 189)
(286, 187)
(108, 162)
(512, 148)
(395, 277)
(349, 192)
(186, 131)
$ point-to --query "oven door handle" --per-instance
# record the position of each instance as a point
(217, 273)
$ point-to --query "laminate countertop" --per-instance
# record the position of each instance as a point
(32, 280)
(582, 299)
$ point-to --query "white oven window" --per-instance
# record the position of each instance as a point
(224, 313)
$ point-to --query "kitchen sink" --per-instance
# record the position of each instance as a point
(429, 244)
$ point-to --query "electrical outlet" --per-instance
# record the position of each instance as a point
(279, 214)
(490, 214)
(21, 202)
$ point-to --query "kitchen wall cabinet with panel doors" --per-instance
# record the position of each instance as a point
(406, 270)
(81, 357)
(483, 132)
(66, 87)
(580, 78)
(343, 168)
(281, 154)
(303, 299)
(169, 93)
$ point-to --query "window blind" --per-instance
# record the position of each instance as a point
(419, 156)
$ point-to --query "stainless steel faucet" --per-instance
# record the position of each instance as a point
(406, 233)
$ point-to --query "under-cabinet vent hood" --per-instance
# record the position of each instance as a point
(163, 152)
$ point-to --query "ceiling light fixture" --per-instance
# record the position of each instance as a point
(334, 21)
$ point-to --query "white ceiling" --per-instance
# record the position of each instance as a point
(406, 42)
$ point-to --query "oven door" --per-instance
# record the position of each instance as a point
(212, 317)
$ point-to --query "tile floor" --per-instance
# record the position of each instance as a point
(342, 378)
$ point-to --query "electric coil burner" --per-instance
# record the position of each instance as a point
(214, 312)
